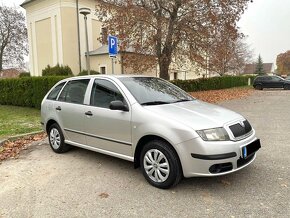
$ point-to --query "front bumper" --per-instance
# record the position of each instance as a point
(203, 158)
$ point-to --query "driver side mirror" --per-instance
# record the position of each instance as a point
(118, 105)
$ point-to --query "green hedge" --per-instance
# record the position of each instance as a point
(27, 92)
(85, 72)
(57, 70)
(213, 83)
(24, 74)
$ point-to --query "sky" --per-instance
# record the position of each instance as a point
(265, 22)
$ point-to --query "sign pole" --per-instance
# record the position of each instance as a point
(113, 65)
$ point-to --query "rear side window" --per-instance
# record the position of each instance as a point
(74, 91)
(276, 79)
(54, 93)
(104, 92)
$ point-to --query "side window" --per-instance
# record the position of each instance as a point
(104, 92)
(261, 79)
(276, 79)
(267, 78)
(54, 93)
(74, 91)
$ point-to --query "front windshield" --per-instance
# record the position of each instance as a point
(154, 91)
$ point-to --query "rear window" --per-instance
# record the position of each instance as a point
(54, 93)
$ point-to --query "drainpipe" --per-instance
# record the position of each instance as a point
(78, 28)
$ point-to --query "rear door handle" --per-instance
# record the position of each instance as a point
(89, 113)
(58, 108)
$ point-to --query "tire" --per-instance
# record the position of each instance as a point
(259, 87)
(165, 176)
(56, 139)
(287, 87)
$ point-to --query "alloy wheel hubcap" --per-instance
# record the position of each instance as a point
(156, 165)
(54, 138)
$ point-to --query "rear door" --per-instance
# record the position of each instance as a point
(107, 129)
(273, 82)
(70, 110)
(267, 82)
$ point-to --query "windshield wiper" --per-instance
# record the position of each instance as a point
(155, 103)
(181, 100)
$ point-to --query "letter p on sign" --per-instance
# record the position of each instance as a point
(113, 45)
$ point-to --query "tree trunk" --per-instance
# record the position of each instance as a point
(164, 68)
(1, 59)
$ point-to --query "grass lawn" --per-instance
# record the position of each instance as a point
(18, 120)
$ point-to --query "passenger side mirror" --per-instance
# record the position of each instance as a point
(118, 105)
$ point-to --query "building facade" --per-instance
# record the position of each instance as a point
(53, 35)
(56, 35)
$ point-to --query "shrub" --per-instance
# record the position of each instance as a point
(24, 74)
(85, 72)
(26, 92)
(213, 83)
(29, 91)
(57, 71)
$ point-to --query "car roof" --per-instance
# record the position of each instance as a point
(108, 76)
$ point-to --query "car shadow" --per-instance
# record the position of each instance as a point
(211, 184)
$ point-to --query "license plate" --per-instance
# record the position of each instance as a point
(251, 148)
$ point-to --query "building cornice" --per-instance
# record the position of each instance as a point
(26, 2)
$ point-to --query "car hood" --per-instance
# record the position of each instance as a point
(196, 114)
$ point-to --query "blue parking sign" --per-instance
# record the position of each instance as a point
(113, 45)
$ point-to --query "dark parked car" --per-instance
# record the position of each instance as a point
(262, 82)
(287, 78)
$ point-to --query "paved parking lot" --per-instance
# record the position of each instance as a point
(86, 184)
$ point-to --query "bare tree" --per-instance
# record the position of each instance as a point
(167, 28)
(229, 54)
(13, 37)
(242, 56)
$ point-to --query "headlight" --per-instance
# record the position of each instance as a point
(216, 134)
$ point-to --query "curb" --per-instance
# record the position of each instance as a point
(13, 138)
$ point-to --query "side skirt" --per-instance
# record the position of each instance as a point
(110, 153)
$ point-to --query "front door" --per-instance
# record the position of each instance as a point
(107, 129)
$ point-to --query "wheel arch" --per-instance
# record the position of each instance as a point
(145, 139)
(49, 123)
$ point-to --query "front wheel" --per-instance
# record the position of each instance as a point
(287, 87)
(56, 139)
(259, 87)
(160, 164)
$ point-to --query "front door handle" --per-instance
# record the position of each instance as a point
(58, 108)
(89, 113)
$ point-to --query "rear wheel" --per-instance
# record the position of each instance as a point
(259, 87)
(56, 139)
(160, 164)
(287, 87)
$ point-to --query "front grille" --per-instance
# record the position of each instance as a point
(241, 162)
(238, 130)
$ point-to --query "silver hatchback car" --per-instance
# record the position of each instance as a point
(148, 121)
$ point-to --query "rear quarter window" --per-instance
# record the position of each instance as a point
(54, 93)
